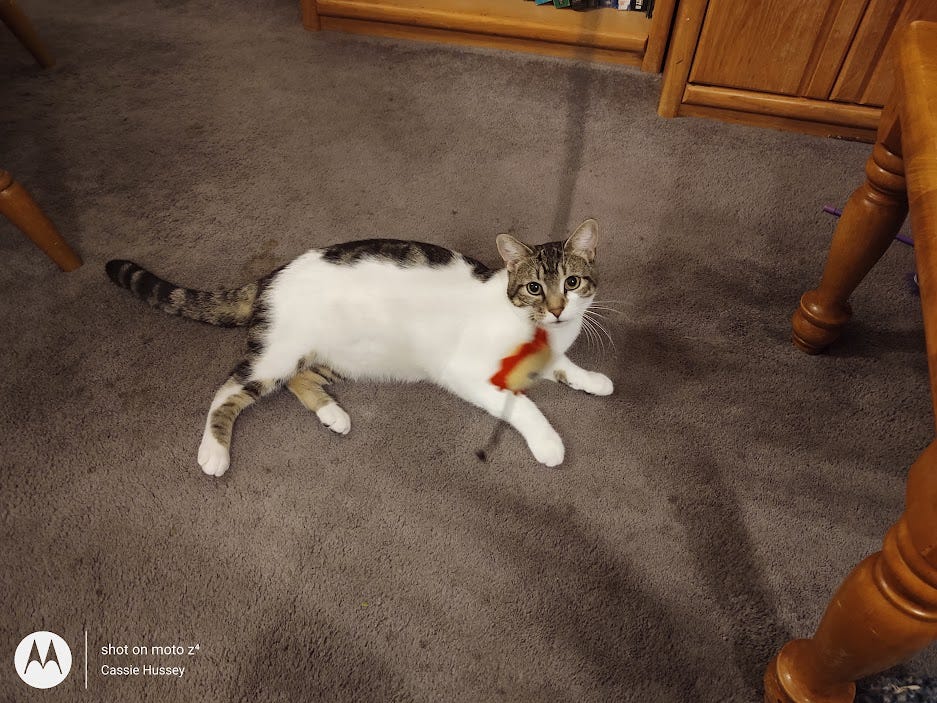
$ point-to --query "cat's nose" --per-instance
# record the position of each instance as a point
(557, 311)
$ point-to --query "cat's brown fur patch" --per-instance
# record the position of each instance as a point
(307, 386)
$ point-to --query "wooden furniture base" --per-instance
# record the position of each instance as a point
(886, 609)
(17, 205)
(14, 18)
(826, 118)
(598, 35)
(869, 223)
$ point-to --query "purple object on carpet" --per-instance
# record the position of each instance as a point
(836, 212)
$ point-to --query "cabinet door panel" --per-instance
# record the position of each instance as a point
(766, 46)
(829, 52)
(866, 76)
(879, 87)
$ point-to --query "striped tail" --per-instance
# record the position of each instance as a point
(226, 308)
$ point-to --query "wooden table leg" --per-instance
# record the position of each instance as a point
(310, 15)
(19, 207)
(14, 18)
(884, 612)
(869, 223)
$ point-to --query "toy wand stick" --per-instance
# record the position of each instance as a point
(492, 442)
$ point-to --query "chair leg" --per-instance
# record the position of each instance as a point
(14, 18)
(885, 611)
(19, 207)
(869, 223)
(310, 15)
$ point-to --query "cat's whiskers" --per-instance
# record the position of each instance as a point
(591, 340)
(591, 337)
(608, 305)
(593, 318)
(603, 334)
(597, 338)
(605, 308)
(600, 320)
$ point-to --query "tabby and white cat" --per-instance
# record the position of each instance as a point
(393, 310)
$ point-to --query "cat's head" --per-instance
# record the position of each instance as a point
(556, 281)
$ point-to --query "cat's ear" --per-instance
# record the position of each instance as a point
(512, 250)
(583, 241)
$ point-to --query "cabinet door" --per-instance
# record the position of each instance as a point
(791, 47)
(866, 76)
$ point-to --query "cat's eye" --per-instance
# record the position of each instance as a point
(534, 288)
(572, 282)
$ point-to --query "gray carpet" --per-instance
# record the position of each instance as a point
(705, 512)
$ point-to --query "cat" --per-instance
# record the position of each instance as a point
(396, 310)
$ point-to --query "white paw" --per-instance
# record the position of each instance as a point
(212, 457)
(333, 417)
(598, 384)
(548, 449)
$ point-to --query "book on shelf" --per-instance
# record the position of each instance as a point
(645, 6)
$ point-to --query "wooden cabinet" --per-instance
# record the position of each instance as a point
(867, 70)
(519, 25)
(821, 66)
(764, 46)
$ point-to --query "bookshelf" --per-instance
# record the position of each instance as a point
(598, 35)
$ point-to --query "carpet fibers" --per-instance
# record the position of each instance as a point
(705, 511)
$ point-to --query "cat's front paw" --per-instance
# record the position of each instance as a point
(548, 449)
(597, 383)
(335, 418)
(212, 456)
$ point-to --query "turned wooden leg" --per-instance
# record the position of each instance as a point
(14, 18)
(869, 223)
(19, 207)
(310, 15)
(885, 611)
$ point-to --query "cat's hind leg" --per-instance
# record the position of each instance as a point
(308, 387)
(213, 453)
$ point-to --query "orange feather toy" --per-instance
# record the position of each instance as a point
(517, 373)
